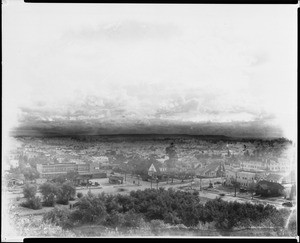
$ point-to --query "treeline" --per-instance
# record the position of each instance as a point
(169, 206)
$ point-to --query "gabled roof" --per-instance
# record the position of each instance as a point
(156, 165)
(209, 168)
(274, 177)
(197, 166)
(267, 184)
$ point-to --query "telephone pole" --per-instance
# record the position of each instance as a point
(235, 184)
(200, 184)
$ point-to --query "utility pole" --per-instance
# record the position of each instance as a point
(235, 184)
(200, 184)
(151, 181)
(156, 183)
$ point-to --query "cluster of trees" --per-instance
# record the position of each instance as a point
(170, 206)
(32, 201)
(57, 193)
(52, 193)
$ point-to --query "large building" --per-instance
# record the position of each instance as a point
(282, 165)
(53, 170)
(211, 170)
(253, 166)
(244, 178)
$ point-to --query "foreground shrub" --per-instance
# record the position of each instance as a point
(157, 226)
(49, 191)
(60, 217)
(33, 203)
(29, 191)
(32, 227)
(90, 209)
(65, 192)
(79, 195)
(62, 200)
(115, 219)
(133, 220)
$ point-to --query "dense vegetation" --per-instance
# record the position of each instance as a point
(32, 201)
(60, 193)
(167, 206)
(52, 193)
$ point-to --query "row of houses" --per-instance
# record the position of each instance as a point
(282, 165)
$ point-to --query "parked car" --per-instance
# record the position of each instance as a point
(287, 204)
(222, 194)
(217, 182)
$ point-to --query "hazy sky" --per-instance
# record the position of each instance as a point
(102, 67)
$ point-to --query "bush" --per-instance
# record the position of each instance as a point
(66, 192)
(60, 217)
(49, 191)
(115, 219)
(133, 220)
(33, 203)
(79, 195)
(90, 209)
(29, 191)
(157, 225)
(32, 227)
(62, 200)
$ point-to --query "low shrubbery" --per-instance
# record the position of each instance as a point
(167, 207)
(29, 190)
(32, 227)
(32, 201)
(49, 191)
(57, 193)
(60, 217)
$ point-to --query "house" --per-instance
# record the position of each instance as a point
(198, 166)
(244, 178)
(14, 179)
(211, 170)
(253, 165)
(162, 160)
(83, 179)
(271, 177)
(266, 188)
(156, 168)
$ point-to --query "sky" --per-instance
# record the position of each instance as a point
(115, 68)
